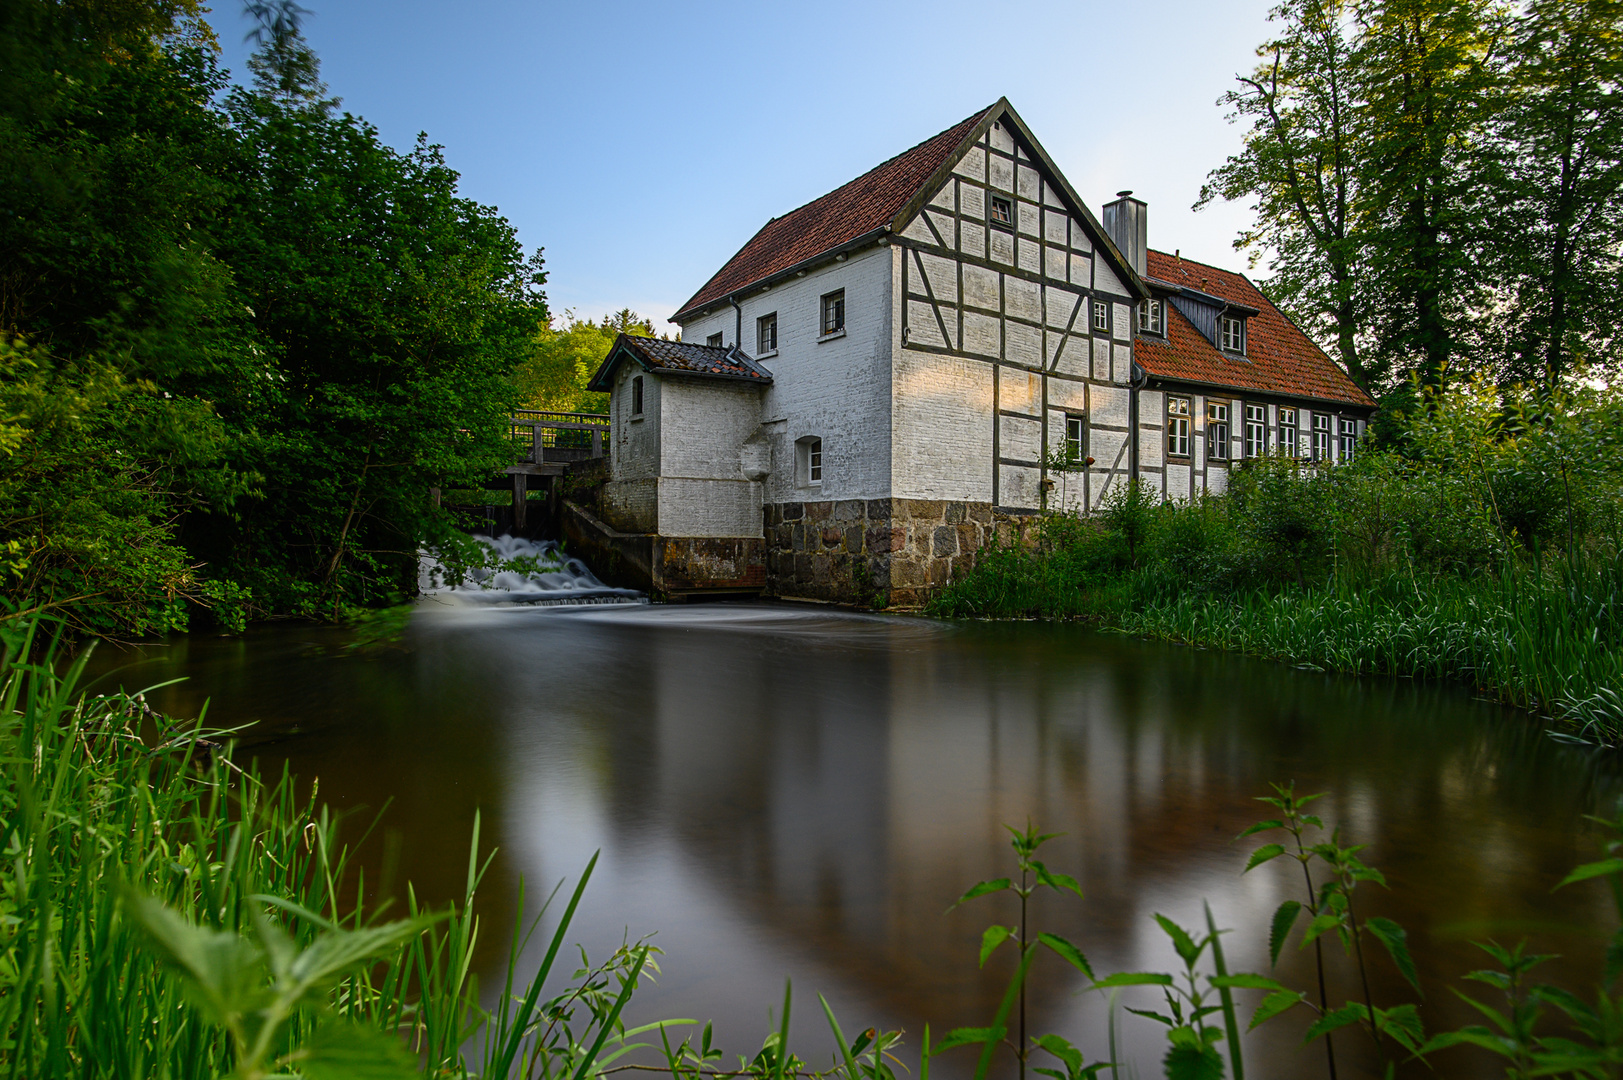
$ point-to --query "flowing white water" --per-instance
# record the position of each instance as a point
(528, 572)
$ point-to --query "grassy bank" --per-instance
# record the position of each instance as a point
(1484, 550)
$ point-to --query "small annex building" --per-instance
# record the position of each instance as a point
(883, 381)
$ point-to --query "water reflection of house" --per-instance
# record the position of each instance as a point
(880, 381)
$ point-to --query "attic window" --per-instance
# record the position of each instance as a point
(714, 341)
(1232, 331)
(1150, 315)
(1001, 210)
(1101, 316)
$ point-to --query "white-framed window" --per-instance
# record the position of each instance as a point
(636, 396)
(1000, 210)
(1349, 437)
(833, 308)
(1231, 329)
(1321, 436)
(1101, 316)
(1287, 431)
(1076, 438)
(1151, 317)
(1256, 430)
(1178, 427)
(812, 451)
(766, 334)
(1217, 430)
(714, 341)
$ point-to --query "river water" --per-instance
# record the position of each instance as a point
(787, 791)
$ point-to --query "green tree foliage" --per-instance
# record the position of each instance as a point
(243, 336)
(563, 358)
(1301, 165)
(1437, 180)
(1559, 161)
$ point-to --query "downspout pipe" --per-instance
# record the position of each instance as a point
(1137, 380)
(738, 322)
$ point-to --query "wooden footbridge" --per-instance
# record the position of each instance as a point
(547, 443)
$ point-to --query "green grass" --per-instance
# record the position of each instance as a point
(166, 913)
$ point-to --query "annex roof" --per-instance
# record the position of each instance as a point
(677, 358)
(1280, 358)
(884, 197)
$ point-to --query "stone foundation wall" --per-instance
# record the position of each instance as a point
(878, 552)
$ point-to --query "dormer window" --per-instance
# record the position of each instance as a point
(1231, 330)
(1151, 317)
(1001, 210)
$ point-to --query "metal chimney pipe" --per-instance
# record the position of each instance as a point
(1127, 222)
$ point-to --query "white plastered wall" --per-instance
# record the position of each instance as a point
(832, 387)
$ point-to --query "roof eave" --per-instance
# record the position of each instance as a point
(688, 314)
(1179, 382)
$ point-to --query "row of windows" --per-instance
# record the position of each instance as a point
(1255, 432)
(831, 320)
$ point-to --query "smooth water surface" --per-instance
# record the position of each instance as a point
(785, 791)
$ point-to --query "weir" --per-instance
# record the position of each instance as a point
(528, 572)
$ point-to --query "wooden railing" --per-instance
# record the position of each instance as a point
(559, 436)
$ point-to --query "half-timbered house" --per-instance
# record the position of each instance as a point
(934, 352)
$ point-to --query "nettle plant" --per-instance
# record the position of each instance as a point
(1329, 907)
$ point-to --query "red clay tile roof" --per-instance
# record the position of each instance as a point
(678, 357)
(1280, 359)
(865, 204)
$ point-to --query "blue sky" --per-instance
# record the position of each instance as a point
(641, 144)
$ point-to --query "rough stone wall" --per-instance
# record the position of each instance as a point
(879, 552)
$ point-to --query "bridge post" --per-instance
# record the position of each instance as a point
(521, 488)
(537, 450)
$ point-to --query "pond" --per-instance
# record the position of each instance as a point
(788, 791)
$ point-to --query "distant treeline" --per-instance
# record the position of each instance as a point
(1437, 183)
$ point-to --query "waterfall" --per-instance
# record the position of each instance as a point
(520, 571)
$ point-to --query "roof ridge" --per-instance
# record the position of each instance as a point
(1210, 266)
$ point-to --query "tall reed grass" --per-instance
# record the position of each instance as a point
(164, 912)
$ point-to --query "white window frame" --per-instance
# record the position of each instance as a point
(767, 322)
(1217, 431)
(1320, 447)
(1231, 332)
(1289, 432)
(1101, 316)
(1348, 437)
(1076, 436)
(831, 313)
(1256, 431)
(814, 461)
(1178, 418)
(1151, 317)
